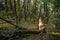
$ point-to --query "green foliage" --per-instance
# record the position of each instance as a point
(9, 34)
(27, 13)
(48, 1)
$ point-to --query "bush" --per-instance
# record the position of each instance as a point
(8, 33)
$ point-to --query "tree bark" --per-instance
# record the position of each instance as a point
(16, 14)
(46, 13)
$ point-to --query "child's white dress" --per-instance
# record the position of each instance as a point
(40, 24)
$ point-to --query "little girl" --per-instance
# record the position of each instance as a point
(40, 24)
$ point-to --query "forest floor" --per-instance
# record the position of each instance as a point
(40, 36)
(35, 37)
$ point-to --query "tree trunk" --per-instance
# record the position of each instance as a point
(19, 10)
(46, 13)
(10, 4)
(6, 8)
(16, 14)
(25, 9)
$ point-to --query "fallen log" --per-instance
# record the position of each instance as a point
(31, 31)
